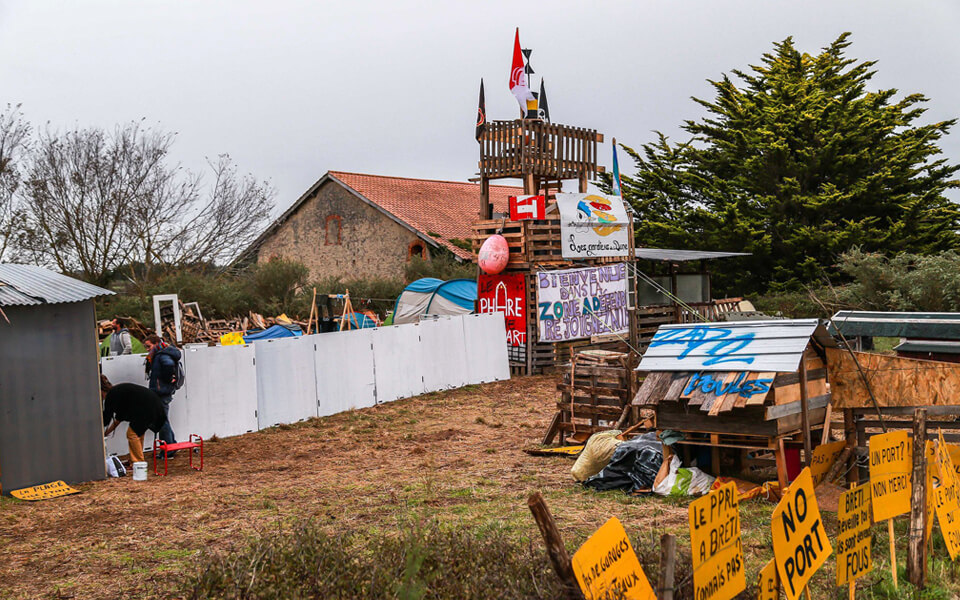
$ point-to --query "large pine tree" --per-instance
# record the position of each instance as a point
(797, 162)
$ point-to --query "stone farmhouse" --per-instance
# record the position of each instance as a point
(360, 226)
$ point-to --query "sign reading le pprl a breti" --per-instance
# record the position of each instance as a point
(579, 303)
(593, 226)
(718, 572)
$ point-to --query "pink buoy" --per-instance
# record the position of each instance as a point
(494, 254)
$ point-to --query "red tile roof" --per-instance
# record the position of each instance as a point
(440, 210)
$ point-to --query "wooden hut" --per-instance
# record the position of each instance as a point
(753, 385)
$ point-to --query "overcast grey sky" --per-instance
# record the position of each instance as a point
(293, 89)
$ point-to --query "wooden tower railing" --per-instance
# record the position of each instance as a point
(520, 148)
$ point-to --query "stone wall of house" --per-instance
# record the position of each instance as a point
(335, 233)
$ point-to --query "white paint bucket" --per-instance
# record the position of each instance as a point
(139, 471)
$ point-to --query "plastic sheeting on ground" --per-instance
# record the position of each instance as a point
(233, 389)
(273, 332)
(633, 466)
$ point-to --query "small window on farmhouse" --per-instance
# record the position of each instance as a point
(416, 249)
(333, 230)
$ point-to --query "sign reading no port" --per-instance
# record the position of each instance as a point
(891, 460)
(607, 567)
(800, 544)
(718, 572)
(853, 537)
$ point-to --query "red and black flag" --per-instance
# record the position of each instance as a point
(543, 111)
(481, 114)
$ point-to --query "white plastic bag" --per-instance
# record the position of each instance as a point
(683, 481)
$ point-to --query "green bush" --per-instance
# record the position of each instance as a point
(441, 266)
(424, 562)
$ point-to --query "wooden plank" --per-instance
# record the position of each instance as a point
(652, 389)
(785, 379)
(721, 401)
(677, 384)
(932, 411)
(756, 399)
(779, 411)
(895, 381)
(791, 393)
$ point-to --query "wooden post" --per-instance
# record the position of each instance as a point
(782, 477)
(893, 553)
(804, 411)
(850, 435)
(668, 556)
(555, 548)
(917, 547)
(486, 209)
(825, 434)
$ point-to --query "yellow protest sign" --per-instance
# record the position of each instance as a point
(768, 584)
(234, 338)
(932, 481)
(853, 535)
(607, 567)
(718, 572)
(46, 491)
(800, 544)
(822, 458)
(948, 499)
(891, 460)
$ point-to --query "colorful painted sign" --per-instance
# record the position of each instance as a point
(579, 303)
(891, 460)
(524, 208)
(800, 543)
(854, 539)
(768, 582)
(718, 571)
(947, 498)
(822, 459)
(607, 567)
(505, 293)
(593, 225)
(45, 491)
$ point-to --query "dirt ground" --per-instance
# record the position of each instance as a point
(453, 455)
(456, 456)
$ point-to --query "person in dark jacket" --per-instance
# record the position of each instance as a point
(162, 366)
(137, 405)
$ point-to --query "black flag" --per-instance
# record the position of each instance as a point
(481, 114)
(543, 109)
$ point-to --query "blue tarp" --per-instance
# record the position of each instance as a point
(273, 332)
(462, 292)
(360, 321)
(430, 296)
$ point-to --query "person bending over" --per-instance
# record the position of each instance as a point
(138, 406)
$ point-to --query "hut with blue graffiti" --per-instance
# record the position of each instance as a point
(755, 387)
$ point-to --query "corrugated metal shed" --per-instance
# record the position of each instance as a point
(929, 346)
(942, 326)
(26, 285)
(759, 346)
(667, 254)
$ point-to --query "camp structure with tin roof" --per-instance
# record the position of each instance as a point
(748, 385)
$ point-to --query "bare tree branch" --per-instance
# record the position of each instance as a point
(14, 143)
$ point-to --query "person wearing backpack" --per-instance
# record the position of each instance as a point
(165, 374)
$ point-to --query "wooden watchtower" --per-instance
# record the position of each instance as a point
(542, 155)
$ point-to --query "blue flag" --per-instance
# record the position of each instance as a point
(616, 171)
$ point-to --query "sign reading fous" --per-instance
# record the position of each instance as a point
(592, 226)
(579, 303)
(853, 537)
(505, 293)
(718, 572)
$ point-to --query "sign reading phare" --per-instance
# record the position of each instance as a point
(592, 225)
(505, 292)
(579, 303)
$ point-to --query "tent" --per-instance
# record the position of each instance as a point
(429, 296)
(359, 320)
(273, 332)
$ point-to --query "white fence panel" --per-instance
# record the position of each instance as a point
(129, 368)
(444, 354)
(398, 361)
(221, 392)
(344, 371)
(286, 381)
(486, 352)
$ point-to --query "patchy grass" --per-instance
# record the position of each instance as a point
(444, 467)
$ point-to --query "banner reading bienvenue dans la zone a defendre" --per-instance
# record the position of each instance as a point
(579, 303)
(593, 225)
